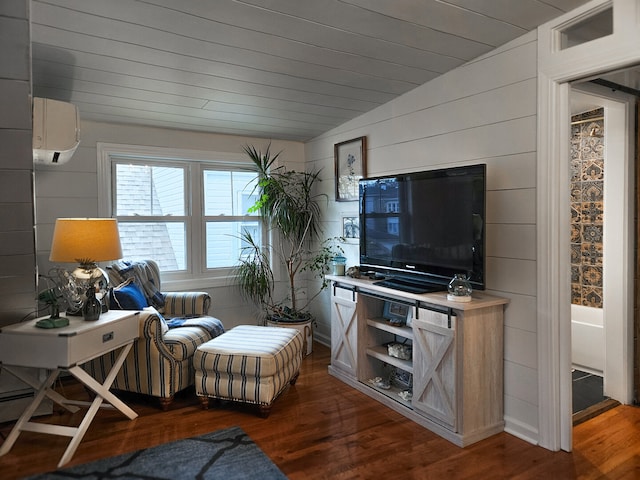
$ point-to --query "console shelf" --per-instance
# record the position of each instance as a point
(381, 353)
(383, 324)
(392, 393)
(456, 371)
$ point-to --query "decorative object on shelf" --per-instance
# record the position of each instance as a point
(339, 263)
(288, 203)
(92, 306)
(61, 293)
(350, 162)
(353, 272)
(380, 383)
(403, 380)
(398, 314)
(72, 296)
(399, 350)
(459, 288)
(86, 241)
(406, 395)
(52, 297)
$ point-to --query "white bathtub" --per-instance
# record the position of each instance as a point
(587, 339)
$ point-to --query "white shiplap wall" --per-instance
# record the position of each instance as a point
(481, 112)
(70, 190)
(17, 250)
(17, 266)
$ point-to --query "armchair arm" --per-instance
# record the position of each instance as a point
(152, 330)
(186, 304)
(148, 366)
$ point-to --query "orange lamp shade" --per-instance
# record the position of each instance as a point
(85, 240)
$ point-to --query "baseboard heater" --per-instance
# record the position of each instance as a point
(15, 397)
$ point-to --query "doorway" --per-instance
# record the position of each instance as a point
(558, 65)
(601, 155)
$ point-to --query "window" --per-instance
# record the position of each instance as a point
(185, 210)
(593, 26)
(227, 197)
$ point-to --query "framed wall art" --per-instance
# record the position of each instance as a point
(350, 158)
(351, 228)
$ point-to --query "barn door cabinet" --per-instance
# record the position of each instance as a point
(452, 381)
(344, 329)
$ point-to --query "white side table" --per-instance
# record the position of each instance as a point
(65, 349)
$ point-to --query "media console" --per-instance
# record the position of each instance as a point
(451, 382)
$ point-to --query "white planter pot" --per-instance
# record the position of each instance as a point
(302, 327)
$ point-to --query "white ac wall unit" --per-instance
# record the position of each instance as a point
(56, 131)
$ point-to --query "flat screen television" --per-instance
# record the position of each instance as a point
(419, 229)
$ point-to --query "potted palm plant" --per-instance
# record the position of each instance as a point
(289, 205)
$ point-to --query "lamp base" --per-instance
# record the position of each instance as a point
(90, 275)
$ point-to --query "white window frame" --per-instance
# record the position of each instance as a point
(192, 278)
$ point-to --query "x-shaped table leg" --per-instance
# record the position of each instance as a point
(37, 384)
(77, 433)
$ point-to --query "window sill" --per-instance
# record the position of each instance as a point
(195, 284)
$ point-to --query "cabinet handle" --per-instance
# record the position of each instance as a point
(448, 311)
(352, 289)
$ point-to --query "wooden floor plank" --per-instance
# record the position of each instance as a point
(320, 428)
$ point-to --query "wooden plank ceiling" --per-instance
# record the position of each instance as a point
(285, 69)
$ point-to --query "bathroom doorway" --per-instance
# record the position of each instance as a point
(602, 152)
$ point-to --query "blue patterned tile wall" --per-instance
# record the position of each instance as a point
(587, 208)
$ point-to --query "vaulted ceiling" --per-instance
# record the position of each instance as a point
(286, 69)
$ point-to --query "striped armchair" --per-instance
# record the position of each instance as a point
(160, 364)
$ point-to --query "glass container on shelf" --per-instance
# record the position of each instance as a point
(339, 264)
(459, 288)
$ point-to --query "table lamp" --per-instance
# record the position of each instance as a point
(86, 241)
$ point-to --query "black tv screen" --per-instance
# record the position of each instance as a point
(424, 227)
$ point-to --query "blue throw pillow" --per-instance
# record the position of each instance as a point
(127, 296)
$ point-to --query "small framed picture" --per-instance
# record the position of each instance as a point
(350, 159)
(351, 228)
(398, 314)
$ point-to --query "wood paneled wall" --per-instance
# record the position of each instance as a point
(482, 112)
(17, 250)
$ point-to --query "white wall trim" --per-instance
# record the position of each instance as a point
(520, 430)
(553, 244)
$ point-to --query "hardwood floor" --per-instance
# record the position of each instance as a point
(320, 428)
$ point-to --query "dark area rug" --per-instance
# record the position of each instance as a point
(227, 454)
(587, 390)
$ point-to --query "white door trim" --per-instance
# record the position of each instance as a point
(556, 67)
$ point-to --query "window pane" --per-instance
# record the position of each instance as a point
(164, 242)
(593, 27)
(224, 243)
(228, 193)
(149, 190)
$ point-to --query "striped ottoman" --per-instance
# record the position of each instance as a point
(248, 364)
